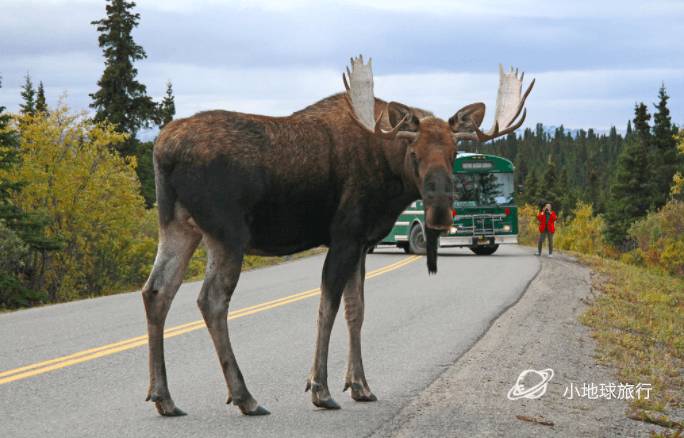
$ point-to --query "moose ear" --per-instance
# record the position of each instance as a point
(468, 118)
(397, 111)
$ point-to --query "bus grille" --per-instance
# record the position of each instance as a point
(482, 224)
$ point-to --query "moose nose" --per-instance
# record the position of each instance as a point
(437, 187)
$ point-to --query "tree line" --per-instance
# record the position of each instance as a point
(77, 191)
(624, 177)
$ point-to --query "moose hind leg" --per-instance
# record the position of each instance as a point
(177, 242)
(353, 313)
(223, 272)
(338, 267)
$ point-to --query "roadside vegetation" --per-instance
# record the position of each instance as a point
(621, 211)
(78, 212)
(638, 316)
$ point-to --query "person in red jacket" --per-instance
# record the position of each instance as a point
(547, 219)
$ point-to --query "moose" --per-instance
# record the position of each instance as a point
(335, 174)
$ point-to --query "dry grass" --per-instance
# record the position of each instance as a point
(638, 322)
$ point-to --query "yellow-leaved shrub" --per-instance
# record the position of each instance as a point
(583, 233)
(528, 227)
(660, 239)
(92, 197)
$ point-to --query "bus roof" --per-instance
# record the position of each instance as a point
(481, 163)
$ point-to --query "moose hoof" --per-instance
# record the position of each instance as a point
(175, 412)
(327, 403)
(364, 397)
(247, 405)
(361, 393)
(167, 408)
(320, 396)
(260, 410)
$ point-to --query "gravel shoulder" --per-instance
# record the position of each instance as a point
(540, 331)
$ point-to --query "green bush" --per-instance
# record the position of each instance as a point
(14, 251)
(660, 238)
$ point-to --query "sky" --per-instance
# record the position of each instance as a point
(592, 60)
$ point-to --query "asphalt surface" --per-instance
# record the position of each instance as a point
(416, 325)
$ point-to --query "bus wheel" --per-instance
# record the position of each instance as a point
(405, 247)
(417, 240)
(484, 250)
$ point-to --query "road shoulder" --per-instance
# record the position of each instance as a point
(541, 331)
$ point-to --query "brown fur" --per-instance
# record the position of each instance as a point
(277, 185)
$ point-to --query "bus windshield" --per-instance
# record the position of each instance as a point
(474, 189)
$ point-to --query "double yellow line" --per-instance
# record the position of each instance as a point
(43, 367)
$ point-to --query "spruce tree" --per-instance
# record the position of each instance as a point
(664, 148)
(29, 96)
(19, 231)
(548, 189)
(591, 194)
(520, 174)
(41, 104)
(9, 157)
(641, 126)
(530, 193)
(167, 107)
(567, 194)
(121, 99)
(632, 188)
(145, 172)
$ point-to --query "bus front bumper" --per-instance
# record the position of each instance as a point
(477, 240)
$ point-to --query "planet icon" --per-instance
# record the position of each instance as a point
(519, 390)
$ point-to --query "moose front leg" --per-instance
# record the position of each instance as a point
(353, 313)
(339, 266)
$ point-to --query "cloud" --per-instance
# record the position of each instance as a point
(577, 98)
(592, 60)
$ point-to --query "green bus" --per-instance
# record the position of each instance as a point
(485, 214)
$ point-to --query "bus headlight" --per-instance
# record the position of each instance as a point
(507, 228)
(452, 230)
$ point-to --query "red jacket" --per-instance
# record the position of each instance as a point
(541, 217)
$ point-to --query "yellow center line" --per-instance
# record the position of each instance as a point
(128, 344)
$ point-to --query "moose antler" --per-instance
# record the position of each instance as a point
(509, 103)
(359, 85)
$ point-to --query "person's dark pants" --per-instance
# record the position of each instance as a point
(542, 236)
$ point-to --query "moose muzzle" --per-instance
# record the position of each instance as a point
(438, 200)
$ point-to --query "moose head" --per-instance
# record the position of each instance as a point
(432, 142)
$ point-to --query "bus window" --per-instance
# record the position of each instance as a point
(465, 190)
(483, 189)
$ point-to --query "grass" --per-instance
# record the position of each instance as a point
(638, 322)
(197, 265)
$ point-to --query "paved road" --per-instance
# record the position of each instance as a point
(80, 369)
